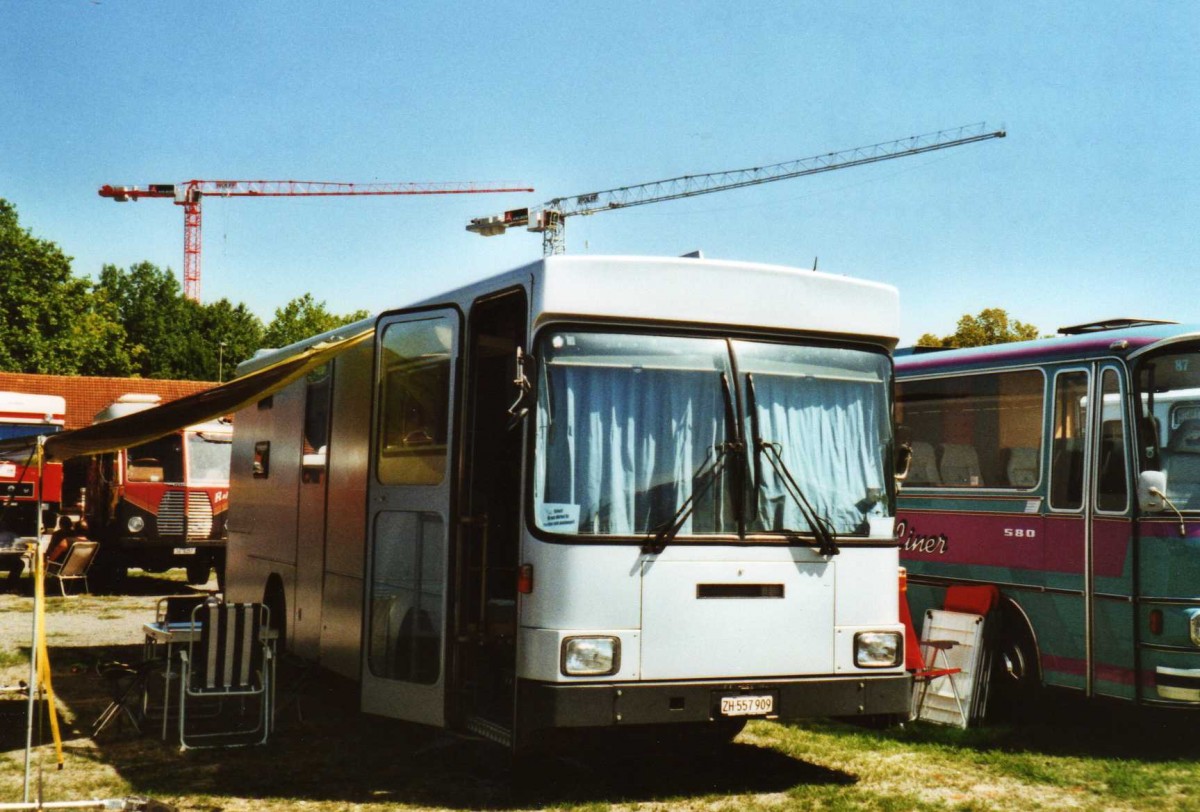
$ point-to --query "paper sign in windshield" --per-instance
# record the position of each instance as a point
(559, 518)
(8, 470)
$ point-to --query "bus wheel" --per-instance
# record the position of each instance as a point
(197, 573)
(1016, 674)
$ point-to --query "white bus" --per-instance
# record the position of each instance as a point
(593, 492)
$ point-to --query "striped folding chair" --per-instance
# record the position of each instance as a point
(230, 659)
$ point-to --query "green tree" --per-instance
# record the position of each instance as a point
(991, 326)
(51, 321)
(302, 318)
(159, 322)
(230, 334)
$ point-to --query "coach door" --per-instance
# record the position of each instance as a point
(1066, 642)
(408, 517)
(1111, 669)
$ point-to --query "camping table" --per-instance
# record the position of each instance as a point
(181, 633)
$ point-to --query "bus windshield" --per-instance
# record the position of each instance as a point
(208, 457)
(1169, 394)
(13, 431)
(630, 427)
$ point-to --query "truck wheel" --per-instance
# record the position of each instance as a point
(197, 573)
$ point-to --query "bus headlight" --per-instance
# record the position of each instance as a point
(591, 656)
(877, 649)
(135, 524)
(1194, 627)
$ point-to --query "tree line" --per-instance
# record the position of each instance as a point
(130, 322)
(136, 322)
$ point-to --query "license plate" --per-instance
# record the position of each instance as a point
(185, 551)
(748, 705)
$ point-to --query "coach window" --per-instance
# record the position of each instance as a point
(415, 381)
(1112, 481)
(1068, 440)
(974, 431)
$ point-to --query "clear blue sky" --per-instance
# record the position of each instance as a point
(1087, 210)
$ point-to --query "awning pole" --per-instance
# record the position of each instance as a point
(37, 608)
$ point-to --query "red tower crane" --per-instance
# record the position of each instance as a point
(189, 194)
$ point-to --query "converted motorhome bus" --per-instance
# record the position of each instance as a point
(589, 493)
(1066, 471)
(161, 504)
(23, 415)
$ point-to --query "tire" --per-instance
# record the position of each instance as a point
(197, 573)
(1016, 685)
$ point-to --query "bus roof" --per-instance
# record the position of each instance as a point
(20, 407)
(1092, 344)
(683, 290)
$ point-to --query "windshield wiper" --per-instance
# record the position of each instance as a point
(821, 529)
(702, 480)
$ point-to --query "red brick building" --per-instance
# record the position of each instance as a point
(86, 396)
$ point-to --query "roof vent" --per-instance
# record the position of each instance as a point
(1108, 324)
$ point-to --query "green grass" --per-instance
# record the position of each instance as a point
(1076, 755)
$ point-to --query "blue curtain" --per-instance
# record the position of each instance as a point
(828, 433)
(625, 444)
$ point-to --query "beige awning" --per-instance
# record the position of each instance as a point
(144, 426)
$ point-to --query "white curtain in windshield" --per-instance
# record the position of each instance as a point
(624, 444)
(827, 433)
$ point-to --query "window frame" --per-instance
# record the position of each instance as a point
(1043, 463)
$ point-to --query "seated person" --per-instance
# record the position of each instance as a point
(64, 536)
(60, 539)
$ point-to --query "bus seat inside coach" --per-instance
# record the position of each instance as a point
(923, 469)
(1021, 469)
(959, 465)
(1181, 462)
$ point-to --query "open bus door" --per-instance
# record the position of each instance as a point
(409, 516)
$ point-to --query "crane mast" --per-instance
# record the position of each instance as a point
(189, 194)
(549, 218)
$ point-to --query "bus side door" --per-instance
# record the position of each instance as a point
(1110, 538)
(408, 516)
(1064, 635)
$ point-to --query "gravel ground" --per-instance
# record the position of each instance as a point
(83, 620)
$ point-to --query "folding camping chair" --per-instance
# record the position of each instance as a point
(961, 628)
(74, 565)
(231, 659)
(928, 671)
(127, 686)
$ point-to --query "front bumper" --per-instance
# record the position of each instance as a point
(1177, 684)
(543, 705)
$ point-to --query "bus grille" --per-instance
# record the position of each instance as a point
(171, 515)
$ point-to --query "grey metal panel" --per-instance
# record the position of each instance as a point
(262, 514)
(341, 625)
(346, 520)
(350, 436)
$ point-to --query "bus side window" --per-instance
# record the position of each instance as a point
(1069, 432)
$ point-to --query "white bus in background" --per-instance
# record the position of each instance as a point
(593, 492)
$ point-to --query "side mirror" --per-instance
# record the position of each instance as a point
(1151, 487)
(903, 461)
(524, 386)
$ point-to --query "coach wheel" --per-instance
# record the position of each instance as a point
(1016, 676)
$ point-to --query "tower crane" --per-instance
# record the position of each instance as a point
(189, 194)
(550, 217)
